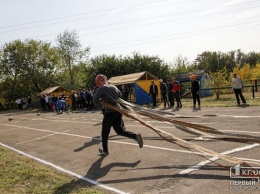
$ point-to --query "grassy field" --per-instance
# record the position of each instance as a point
(225, 100)
(20, 174)
(23, 175)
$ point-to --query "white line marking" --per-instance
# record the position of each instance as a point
(127, 143)
(31, 140)
(114, 141)
(242, 116)
(64, 170)
(240, 131)
(203, 163)
(68, 121)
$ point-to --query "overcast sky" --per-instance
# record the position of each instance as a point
(166, 28)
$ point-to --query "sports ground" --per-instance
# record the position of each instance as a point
(69, 142)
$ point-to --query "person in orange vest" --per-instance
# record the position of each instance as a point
(195, 91)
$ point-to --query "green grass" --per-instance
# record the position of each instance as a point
(225, 100)
(228, 100)
(20, 174)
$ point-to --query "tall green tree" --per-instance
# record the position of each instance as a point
(71, 54)
(181, 65)
(26, 68)
(116, 66)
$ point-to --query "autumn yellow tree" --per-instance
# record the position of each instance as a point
(256, 72)
(246, 73)
(217, 79)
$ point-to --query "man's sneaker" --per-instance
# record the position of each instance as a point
(139, 140)
(102, 152)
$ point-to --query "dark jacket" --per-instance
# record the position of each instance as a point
(151, 90)
(195, 86)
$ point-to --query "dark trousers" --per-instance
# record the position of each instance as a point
(73, 105)
(165, 100)
(113, 119)
(178, 99)
(171, 98)
(154, 99)
(196, 97)
(238, 93)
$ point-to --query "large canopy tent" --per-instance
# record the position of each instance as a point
(139, 85)
(56, 90)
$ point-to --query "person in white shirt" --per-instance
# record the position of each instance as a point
(19, 103)
(237, 86)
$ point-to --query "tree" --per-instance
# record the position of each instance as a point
(244, 72)
(116, 66)
(26, 68)
(71, 54)
(181, 65)
(216, 80)
(256, 72)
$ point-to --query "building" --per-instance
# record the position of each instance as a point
(185, 78)
(138, 84)
(57, 90)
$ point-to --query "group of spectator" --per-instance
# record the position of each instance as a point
(22, 103)
(170, 92)
(81, 100)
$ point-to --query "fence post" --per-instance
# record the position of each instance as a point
(256, 85)
(253, 91)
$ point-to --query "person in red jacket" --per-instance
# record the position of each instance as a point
(176, 88)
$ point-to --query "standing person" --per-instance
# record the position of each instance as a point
(54, 100)
(47, 102)
(177, 92)
(29, 101)
(237, 86)
(125, 92)
(164, 92)
(170, 92)
(73, 98)
(153, 92)
(43, 103)
(195, 91)
(110, 94)
(82, 99)
(19, 103)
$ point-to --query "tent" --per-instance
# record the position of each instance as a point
(139, 84)
(56, 90)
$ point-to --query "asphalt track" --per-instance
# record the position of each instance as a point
(69, 142)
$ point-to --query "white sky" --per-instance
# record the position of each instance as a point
(166, 28)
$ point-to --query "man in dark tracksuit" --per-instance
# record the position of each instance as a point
(195, 90)
(170, 93)
(153, 92)
(164, 93)
(110, 94)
